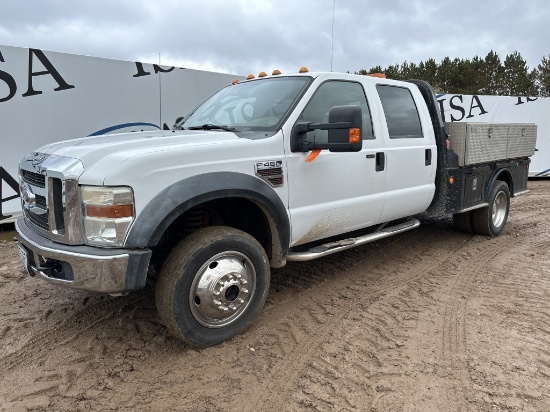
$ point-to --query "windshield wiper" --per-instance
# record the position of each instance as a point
(210, 126)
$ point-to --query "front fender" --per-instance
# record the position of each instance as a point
(181, 196)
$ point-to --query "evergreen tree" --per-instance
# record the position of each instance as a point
(477, 81)
(456, 80)
(428, 71)
(542, 74)
(463, 78)
(376, 69)
(409, 71)
(392, 72)
(493, 72)
(476, 76)
(444, 75)
(516, 76)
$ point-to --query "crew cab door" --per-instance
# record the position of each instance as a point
(410, 151)
(336, 192)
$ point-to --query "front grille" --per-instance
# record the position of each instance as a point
(41, 202)
(39, 220)
(35, 179)
(57, 196)
(51, 201)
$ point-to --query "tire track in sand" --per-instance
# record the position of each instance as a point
(70, 329)
(515, 296)
(365, 316)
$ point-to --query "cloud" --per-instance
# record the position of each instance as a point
(247, 36)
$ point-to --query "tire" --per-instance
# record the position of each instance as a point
(212, 285)
(464, 222)
(491, 219)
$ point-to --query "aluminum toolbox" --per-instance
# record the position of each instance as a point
(476, 143)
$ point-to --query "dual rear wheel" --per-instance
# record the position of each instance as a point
(489, 220)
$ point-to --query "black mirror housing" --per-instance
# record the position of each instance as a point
(344, 131)
(340, 138)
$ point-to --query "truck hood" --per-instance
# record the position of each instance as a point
(117, 148)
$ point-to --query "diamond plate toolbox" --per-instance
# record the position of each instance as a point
(476, 143)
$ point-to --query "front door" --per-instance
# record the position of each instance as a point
(336, 192)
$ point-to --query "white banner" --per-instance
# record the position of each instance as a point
(505, 109)
(47, 96)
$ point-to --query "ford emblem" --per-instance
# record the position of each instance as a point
(27, 195)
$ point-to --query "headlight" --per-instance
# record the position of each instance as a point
(108, 213)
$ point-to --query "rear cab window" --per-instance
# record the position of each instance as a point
(401, 112)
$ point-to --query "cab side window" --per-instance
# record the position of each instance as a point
(336, 93)
(401, 113)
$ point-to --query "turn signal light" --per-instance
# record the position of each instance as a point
(354, 135)
(451, 180)
(109, 211)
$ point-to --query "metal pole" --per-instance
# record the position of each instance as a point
(332, 36)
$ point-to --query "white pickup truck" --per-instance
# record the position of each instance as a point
(268, 170)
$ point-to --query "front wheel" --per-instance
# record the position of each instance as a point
(491, 219)
(213, 285)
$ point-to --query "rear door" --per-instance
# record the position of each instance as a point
(410, 151)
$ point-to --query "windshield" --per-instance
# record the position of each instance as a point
(255, 105)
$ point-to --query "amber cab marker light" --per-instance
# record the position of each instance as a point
(262, 74)
(303, 70)
(235, 81)
(250, 77)
(276, 72)
(110, 212)
(354, 135)
(380, 75)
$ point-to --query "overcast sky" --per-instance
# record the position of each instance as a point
(248, 36)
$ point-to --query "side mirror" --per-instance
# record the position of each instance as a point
(177, 122)
(350, 137)
(344, 131)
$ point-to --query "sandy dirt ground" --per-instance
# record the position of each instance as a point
(430, 320)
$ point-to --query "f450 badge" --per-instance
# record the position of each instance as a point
(270, 171)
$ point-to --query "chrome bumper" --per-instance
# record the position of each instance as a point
(82, 267)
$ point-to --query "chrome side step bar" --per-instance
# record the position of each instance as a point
(333, 247)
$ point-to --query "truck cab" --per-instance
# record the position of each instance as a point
(388, 178)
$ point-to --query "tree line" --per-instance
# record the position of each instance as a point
(489, 75)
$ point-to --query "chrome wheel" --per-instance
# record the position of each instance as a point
(490, 220)
(212, 285)
(500, 209)
(222, 289)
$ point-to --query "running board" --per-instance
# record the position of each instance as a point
(338, 246)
